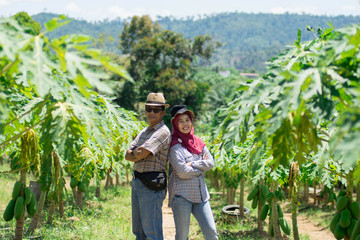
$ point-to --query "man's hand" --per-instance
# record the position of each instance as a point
(136, 154)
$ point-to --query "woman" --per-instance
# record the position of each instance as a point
(189, 160)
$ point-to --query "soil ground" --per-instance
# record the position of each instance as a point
(314, 230)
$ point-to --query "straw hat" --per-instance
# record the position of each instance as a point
(156, 99)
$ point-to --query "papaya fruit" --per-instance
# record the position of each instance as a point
(280, 212)
(342, 193)
(254, 202)
(339, 232)
(263, 212)
(262, 200)
(350, 228)
(253, 193)
(82, 186)
(356, 230)
(335, 221)
(341, 203)
(264, 191)
(74, 182)
(331, 197)
(355, 209)
(270, 197)
(28, 193)
(281, 194)
(32, 207)
(19, 208)
(9, 211)
(284, 226)
(345, 218)
(271, 230)
(16, 190)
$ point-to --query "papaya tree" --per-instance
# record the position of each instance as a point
(50, 88)
(306, 87)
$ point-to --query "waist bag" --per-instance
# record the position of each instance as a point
(155, 181)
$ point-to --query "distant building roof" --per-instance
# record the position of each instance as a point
(224, 73)
(249, 74)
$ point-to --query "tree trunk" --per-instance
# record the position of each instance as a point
(306, 193)
(315, 199)
(19, 229)
(223, 185)
(275, 217)
(51, 212)
(216, 181)
(260, 224)
(325, 199)
(294, 215)
(79, 195)
(117, 179)
(358, 192)
(127, 175)
(241, 197)
(61, 206)
(97, 193)
(35, 220)
(74, 193)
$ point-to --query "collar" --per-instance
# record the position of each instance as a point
(157, 126)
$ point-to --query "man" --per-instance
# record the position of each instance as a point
(149, 152)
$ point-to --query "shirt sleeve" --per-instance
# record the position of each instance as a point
(178, 162)
(135, 142)
(156, 141)
(204, 164)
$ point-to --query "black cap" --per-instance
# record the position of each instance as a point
(179, 109)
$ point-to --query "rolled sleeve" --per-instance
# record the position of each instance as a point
(154, 143)
(204, 164)
(178, 161)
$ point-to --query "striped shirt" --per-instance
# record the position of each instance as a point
(187, 181)
(157, 141)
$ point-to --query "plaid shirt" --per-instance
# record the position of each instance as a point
(187, 181)
(157, 141)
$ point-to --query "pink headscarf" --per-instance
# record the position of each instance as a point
(188, 140)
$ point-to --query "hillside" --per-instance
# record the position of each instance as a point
(248, 39)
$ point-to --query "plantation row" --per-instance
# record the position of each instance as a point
(296, 126)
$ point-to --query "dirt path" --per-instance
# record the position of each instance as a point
(313, 230)
(168, 222)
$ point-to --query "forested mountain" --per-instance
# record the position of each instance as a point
(248, 39)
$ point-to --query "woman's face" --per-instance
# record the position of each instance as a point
(184, 123)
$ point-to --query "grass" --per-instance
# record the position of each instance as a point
(110, 217)
(105, 218)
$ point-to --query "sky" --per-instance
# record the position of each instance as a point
(92, 10)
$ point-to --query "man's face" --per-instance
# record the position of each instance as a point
(154, 114)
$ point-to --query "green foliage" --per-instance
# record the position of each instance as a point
(161, 60)
(30, 25)
(248, 39)
(305, 86)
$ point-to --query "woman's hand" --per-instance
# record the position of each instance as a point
(204, 156)
(189, 164)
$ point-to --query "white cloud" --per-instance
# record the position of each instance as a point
(116, 11)
(4, 2)
(73, 7)
(307, 9)
(348, 8)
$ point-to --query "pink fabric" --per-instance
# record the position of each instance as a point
(188, 140)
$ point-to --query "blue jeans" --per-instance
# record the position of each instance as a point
(146, 211)
(182, 210)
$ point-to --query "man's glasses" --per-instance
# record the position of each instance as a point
(155, 110)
